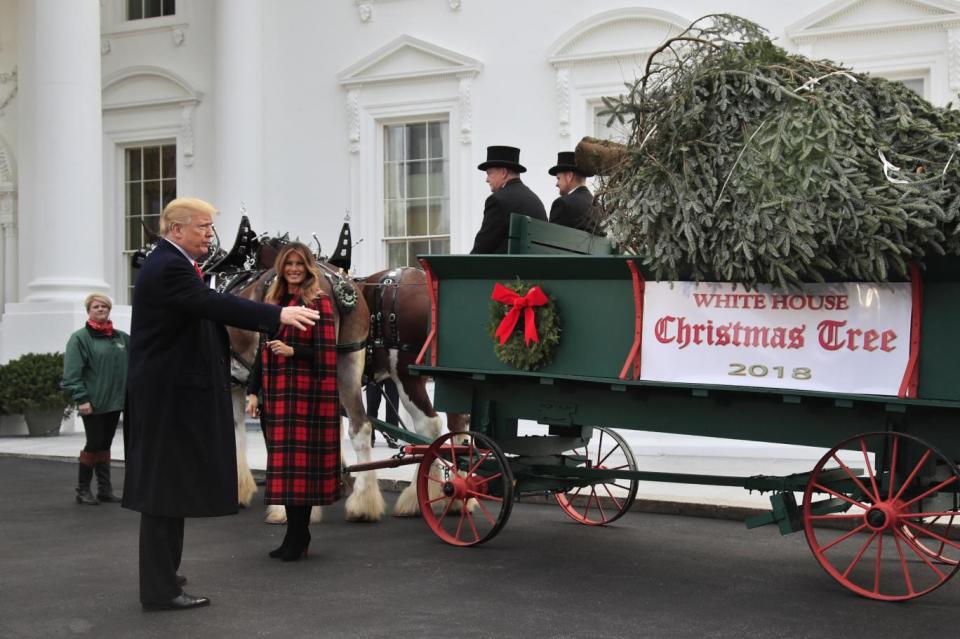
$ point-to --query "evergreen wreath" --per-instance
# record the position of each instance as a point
(514, 351)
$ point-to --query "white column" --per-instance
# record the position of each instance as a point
(238, 103)
(61, 175)
(58, 224)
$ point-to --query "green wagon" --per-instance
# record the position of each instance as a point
(878, 510)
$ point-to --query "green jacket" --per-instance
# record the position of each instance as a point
(95, 369)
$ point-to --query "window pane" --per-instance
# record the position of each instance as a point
(133, 164)
(169, 191)
(151, 198)
(151, 163)
(439, 216)
(133, 198)
(416, 141)
(134, 233)
(394, 142)
(393, 186)
(168, 157)
(152, 222)
(437, 138)
(438, 177)
(416, 217)
(169, 7)
(440, 247)
(416, 179)
(134, 9)
(396, 215)
(421, 247)
(396, 254)
(153, 8)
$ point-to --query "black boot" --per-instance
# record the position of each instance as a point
(281, 550)
(104, 487)
(84, 496)
(298, 525)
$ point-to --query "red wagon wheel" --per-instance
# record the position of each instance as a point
(585, 504)
(465, 488)
(883, 526)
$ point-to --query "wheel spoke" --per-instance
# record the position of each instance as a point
(870, 474)
(842, 538)
(840, 496)
(586, 511)
(935, 489)
(918, 552)
(456, 535)
(473, 526)
(856, 559)
(484, 496)
(603, 516)
(930, 533)
(445, 511)
(607, 456)
(486, 512)
(453, 453)
(615, 501)
(950, 513)
(913, 473)
(904, 566)
(893, 467)
(844, 516)
(860, 485)
(876, 570)
(486, 454)
(436, 499)
(486, 480)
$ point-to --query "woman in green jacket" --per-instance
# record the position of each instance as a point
(95, 376)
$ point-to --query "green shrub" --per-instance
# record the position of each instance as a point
(33, 381)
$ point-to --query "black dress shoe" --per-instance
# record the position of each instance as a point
(181, 581)
(180, 602)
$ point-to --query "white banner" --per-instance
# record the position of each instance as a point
(841, 338)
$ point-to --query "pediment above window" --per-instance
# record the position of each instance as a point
(408, 58)
(146, 86)
(851, 17)
(617, 33)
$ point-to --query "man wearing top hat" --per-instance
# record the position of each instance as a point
(508, 195)
(573, 207)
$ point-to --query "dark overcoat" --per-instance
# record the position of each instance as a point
(181, 455)
(573, 210)
(514, 197)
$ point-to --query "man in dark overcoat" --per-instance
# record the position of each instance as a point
(574, 207)
(181, 455)
(508, 195)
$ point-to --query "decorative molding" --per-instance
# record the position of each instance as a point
(184, 92)
(563, 100)
(178, 35)
(568, 48)
(131, 29)
(454, 5)
(465, 106)
(105, 46)
(434, 61)
(953, 60)
(8, 212)
(8, 78)
(353, 118)
(365, 11)
(928, 15)
(186, 137)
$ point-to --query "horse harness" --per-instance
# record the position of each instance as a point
(390, 338)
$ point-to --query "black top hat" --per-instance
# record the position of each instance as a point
(567, 161)
(506, 156)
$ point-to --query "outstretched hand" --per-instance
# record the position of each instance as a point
(299, 316)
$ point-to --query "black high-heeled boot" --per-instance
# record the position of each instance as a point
(299, 527)
(279, 551)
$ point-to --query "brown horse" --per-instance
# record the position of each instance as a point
(390, 315)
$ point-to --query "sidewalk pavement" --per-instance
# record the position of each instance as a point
(651, 454)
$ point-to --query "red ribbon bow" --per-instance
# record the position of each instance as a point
(525, 303)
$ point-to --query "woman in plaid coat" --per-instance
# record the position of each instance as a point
(296, 373)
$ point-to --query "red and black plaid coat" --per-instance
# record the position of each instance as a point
(301, 411)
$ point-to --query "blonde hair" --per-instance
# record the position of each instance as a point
(309, 290)
(97, 297)
(182, 210)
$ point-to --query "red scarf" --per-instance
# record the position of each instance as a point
(101, 328)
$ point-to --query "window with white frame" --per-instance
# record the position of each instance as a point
(615, 131)
(141, 9)
(416, 190)
(150, 182)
